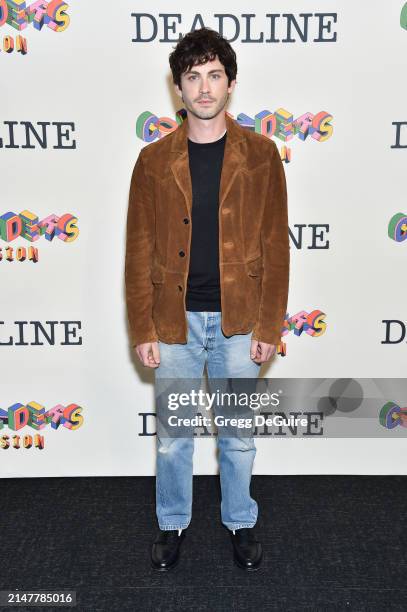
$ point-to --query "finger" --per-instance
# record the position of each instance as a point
(253, 349)
(155, 351)
(258, 356)
(143, 354)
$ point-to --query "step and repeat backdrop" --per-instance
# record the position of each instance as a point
(84, 86)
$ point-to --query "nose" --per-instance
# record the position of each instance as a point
(205, 86)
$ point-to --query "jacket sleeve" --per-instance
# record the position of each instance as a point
(276, 256)
(140, 239)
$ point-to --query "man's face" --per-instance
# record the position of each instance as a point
(204, 89)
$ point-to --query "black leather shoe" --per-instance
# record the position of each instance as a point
(165, 550)
(248, 551)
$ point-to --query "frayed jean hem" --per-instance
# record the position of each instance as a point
(233, 526)
(173, 527)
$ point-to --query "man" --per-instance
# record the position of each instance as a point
(207, 270)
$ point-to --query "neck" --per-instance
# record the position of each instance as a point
(206, 130)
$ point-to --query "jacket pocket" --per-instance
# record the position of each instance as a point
(157, 273)
(255, 266)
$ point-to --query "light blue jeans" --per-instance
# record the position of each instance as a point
(225, 357)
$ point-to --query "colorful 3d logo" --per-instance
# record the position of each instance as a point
(403, 17)
(28, 225)
(280, 124)
(36, 416)
(18, 15)
(392, 415)
(312, 323)
(397, 229)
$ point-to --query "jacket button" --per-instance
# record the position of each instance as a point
(186, 220)
(179, 287)
(181, 254)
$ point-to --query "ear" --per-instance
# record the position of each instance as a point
(178, 91)
(232, 86)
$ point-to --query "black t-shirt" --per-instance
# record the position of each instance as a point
(205, 164)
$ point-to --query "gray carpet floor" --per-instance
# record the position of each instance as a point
(330, 543)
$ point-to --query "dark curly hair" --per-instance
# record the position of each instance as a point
(199, 47)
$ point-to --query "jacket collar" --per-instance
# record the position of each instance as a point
(180, 137)
(232, 159)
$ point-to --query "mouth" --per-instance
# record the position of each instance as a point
(204, 102)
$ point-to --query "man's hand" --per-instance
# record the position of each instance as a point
(149, 354)
(261, 352)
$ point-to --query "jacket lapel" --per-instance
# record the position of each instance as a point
(232, 160)
(182, 175)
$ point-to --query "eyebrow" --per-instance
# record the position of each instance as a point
(210, 71)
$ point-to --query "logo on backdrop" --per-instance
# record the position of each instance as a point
(280, 424)
(392, 415)
(403, 17)
(311, 323)
(397, 228)
(317, 239)
(246, 28)
(398, 128)
(28, 226)
(280, 124)
(396, 329)
(28, 137)
(19, 14)
(35, 416)
(39, 333)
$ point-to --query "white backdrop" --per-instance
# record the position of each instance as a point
(92, 75)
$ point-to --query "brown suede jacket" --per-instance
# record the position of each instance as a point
(253, 238)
